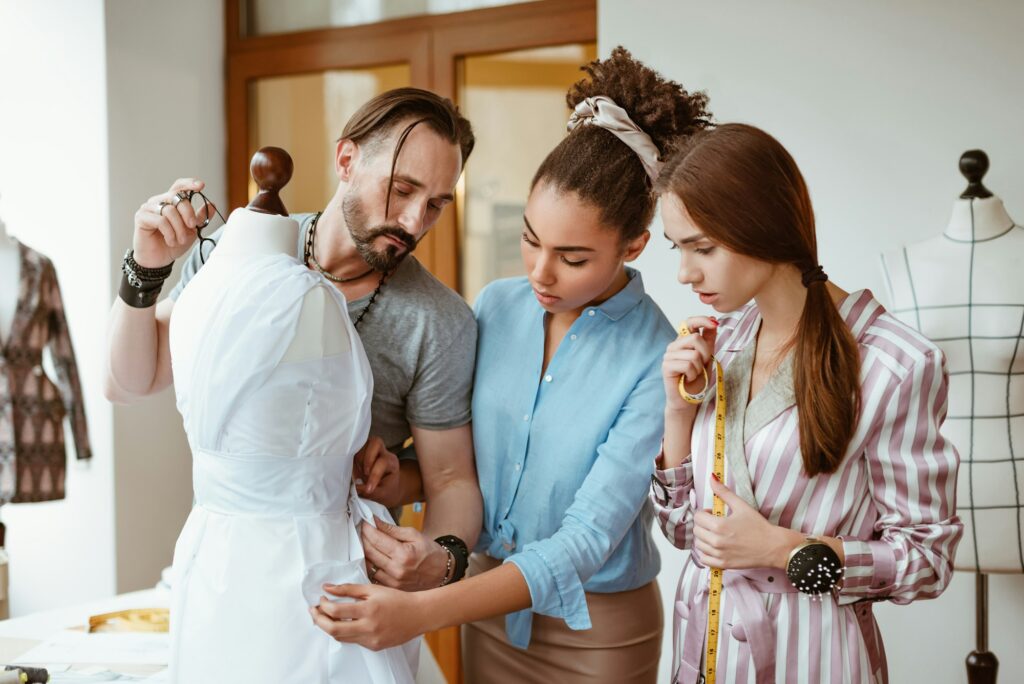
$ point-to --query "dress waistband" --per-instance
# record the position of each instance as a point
(269, 485)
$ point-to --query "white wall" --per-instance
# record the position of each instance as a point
(53, 170)
(104, 104)
(876, 101)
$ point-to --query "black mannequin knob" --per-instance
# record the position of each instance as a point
(974, 166)
(271, 168)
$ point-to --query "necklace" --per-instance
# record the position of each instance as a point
(308, 257)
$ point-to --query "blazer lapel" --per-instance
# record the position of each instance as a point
(737, 391)
(775, 397)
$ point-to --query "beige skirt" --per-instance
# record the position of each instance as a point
(622, 647)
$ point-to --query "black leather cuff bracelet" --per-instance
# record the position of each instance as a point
(459, 551)
(140, 286)
(141, 297)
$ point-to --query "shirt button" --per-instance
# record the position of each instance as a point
(572, 337)
(547, 378)
(526, 417)
(519, 466)
(590, 313)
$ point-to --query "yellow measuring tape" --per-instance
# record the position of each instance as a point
(718, 508)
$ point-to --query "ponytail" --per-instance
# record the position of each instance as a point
(826, 381)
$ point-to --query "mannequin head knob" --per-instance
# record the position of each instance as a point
(974, 166)
(271, 168)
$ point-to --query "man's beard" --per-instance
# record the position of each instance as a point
(384, 260)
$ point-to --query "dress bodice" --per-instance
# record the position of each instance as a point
(267, 435)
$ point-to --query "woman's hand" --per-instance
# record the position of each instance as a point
(379, 618)
(689, 356)
(163, 232)
(743, 538)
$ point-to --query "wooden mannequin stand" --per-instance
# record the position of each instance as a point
(982, 664)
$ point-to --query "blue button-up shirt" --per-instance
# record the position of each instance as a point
(565, 454)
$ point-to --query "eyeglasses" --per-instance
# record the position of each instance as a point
(206, 244)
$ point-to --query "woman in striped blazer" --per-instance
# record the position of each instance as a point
(833, 450)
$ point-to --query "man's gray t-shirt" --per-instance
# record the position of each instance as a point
(420, 339)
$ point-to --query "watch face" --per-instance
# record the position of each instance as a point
(814, 569)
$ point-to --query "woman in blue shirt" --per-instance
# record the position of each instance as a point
(568, 406)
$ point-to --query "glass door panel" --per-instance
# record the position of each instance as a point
(304, 114)
(516, 102)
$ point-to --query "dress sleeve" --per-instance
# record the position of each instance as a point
(673, 509)
(912, 480)
(63, 355)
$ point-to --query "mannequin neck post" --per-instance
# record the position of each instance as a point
(251, 233)
(975, 220)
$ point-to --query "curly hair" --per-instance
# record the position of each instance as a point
(603, 171)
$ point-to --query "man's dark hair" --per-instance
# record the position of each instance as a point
(376, 119)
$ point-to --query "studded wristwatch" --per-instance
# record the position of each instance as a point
(814, 567)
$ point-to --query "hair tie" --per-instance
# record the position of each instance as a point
(813, 275)
(602, 111)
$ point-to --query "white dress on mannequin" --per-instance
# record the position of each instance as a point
(275, 404)
(965, 290)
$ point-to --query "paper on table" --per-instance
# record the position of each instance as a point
(100, 674)
(106, 648)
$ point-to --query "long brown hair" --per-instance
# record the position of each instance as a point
(745, 192)
(599, 168)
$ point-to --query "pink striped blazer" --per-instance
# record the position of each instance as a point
(892, 501)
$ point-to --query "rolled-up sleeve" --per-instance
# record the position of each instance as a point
(912, 470)
(602, 511)
(670, 493)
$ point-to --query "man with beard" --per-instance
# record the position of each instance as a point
(397, 162)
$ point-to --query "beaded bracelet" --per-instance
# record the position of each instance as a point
(140, 286)
(449, 565)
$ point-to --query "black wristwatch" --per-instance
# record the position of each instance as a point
(459, 553)
(814, 568)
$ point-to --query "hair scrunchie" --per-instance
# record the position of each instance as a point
(813, 275)
(602, 111)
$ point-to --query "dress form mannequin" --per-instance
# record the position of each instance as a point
(965, 291)
(264, 228)
(274, 390)
(10, 279)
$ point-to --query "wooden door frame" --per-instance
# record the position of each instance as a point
(432, 46)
